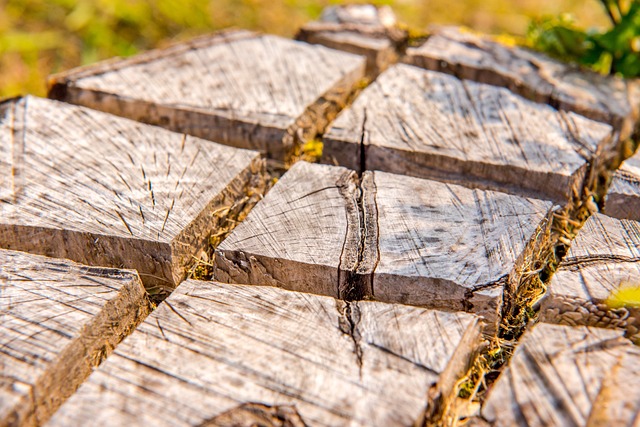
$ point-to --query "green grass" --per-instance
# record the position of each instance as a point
(39, 37)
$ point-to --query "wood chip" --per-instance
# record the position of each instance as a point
(236, 87)
(432, 125)
(556, 377)
(389, 237)
(102, 190)
(362, 29)
(533, 75)
(623, 197)
(604, 258)
(58, 320)
(217, 352)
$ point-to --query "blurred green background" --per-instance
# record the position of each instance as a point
(39, 37)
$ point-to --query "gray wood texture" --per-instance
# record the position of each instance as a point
(450, 247)
(298, 235)
(58, 320)
(604, 257)
(567, 376)
(535, 76)
(389, 237)
(433, 125)
(103, 190)
(211, 347)
(623, 196)
(238, 88)
(362, 29)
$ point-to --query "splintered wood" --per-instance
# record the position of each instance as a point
(432, 125)
(568, 376)
(58, 321)
(238, 88)
(213, 352)
(623, 197)
(535, 76)
(389, 237)
(604, 259)
(103, 190)
(362, 29)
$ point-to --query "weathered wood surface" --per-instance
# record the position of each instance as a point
(451, 247)
(103, 190)
(533, 75)
(389, 237)
(237, 88)
(623, 196)
(58, 320)
(432, 125)
(567, 376)
(298, 235)
(362, 29)
(604, 257)
(211, 347)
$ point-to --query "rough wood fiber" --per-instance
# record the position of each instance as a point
(432, 125)
(623, 197)
(604, 257)
(535, 76)
(362, 29)
(103, 190)
(450, 247)
(211, 347)
(298, 235)
(556, 377)
(58, 320)
(237, 88)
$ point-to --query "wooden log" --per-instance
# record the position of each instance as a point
(533, 75)
(556, 375)
(213, 352)
(389, 237)
(449, 247)
(623, 197)
(238, 88)
(432, 125)
(59, 320)
(103, 190)
(604, 258)
(362, 29)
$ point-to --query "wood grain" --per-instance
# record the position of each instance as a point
(211, 347)
(297, 236)
(604, 257)
(535, 76)
(555, 378)
(432, 125)
(450, 247)
(362, 29)
(623, 197)
(58, 320)
(238, 88)
(102, 190)
(389, 237)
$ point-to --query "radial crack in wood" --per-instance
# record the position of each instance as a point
(623, 196)
(533, 75)
(238, 88)
(362, 29)
(58, 321)
(389, 237)
(103, 190)
(604, 258)
(211, 347)
(567, 376)
(432, 125)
